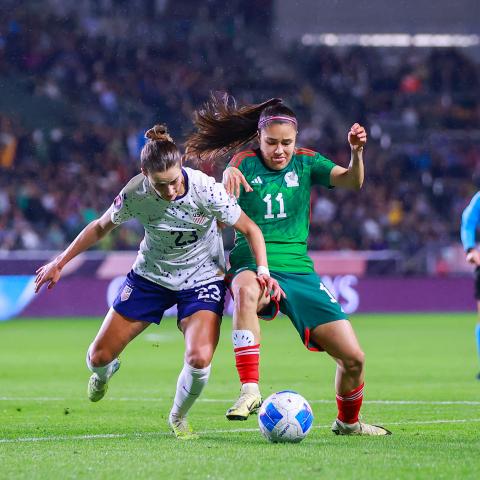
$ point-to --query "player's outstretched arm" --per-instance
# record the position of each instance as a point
(353, 176)
(232, 179)
(255, 239)
(94, 231)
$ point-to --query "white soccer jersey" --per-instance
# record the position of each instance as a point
(183, 246)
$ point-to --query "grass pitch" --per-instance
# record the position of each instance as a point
(420, 384)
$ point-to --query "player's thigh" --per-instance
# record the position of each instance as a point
(116, 332)
(200, 311)
(338, 339)
(308, 304)
(201, 331)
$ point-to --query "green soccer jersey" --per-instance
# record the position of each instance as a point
(280, 206)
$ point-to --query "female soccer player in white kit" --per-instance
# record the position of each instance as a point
(180, 261)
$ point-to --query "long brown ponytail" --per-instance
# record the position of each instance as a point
(222, 126)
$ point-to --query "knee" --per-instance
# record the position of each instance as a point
(200, 357)
(246, 297)
(99, 357)
(355, 363)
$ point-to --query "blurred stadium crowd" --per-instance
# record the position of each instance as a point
(80, 88)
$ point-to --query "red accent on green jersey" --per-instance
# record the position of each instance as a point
(239, 157)
(280, 206)
(305, 151)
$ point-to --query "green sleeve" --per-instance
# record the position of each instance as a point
(321, 169)
(237, 160)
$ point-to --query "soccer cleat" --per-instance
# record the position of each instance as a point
(97, 388)
(247, 404)
(359, 428)
(181, 428)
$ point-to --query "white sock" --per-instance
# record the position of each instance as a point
(250, 388)
(190, 384)
(104, 373)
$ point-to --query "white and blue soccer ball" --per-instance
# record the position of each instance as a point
(285, 417)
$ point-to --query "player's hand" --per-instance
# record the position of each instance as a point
(271, 287)
(357, 137)
(473, 256)
(232, 179)
(49, 273)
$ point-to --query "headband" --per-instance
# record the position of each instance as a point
(276, 118)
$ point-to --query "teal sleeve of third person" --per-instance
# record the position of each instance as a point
(470, 220)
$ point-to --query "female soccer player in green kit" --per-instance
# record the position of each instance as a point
(277, 179)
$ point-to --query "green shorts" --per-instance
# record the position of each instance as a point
(308, 303)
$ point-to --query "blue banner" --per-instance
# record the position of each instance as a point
(16, 292)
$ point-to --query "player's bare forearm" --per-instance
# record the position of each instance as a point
(257, 245)
(356, 169)
(51, 272)
(256, 242)
(351, 177)
(90, 235)
(254, 237)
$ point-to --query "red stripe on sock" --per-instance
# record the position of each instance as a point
(247, 360)
(349, 405)
(245, 349)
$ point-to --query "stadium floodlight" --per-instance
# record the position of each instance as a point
(391, 40)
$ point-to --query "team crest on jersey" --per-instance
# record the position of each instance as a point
(292, 179)
(126, 292)
(199, 219)
(118, 202)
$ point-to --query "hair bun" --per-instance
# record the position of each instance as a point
(158, 133)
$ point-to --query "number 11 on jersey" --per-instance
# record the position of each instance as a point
(268, 200)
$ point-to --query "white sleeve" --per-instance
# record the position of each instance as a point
(121, 210)
(221, 205)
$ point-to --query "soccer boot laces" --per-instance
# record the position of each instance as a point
(247, 404)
